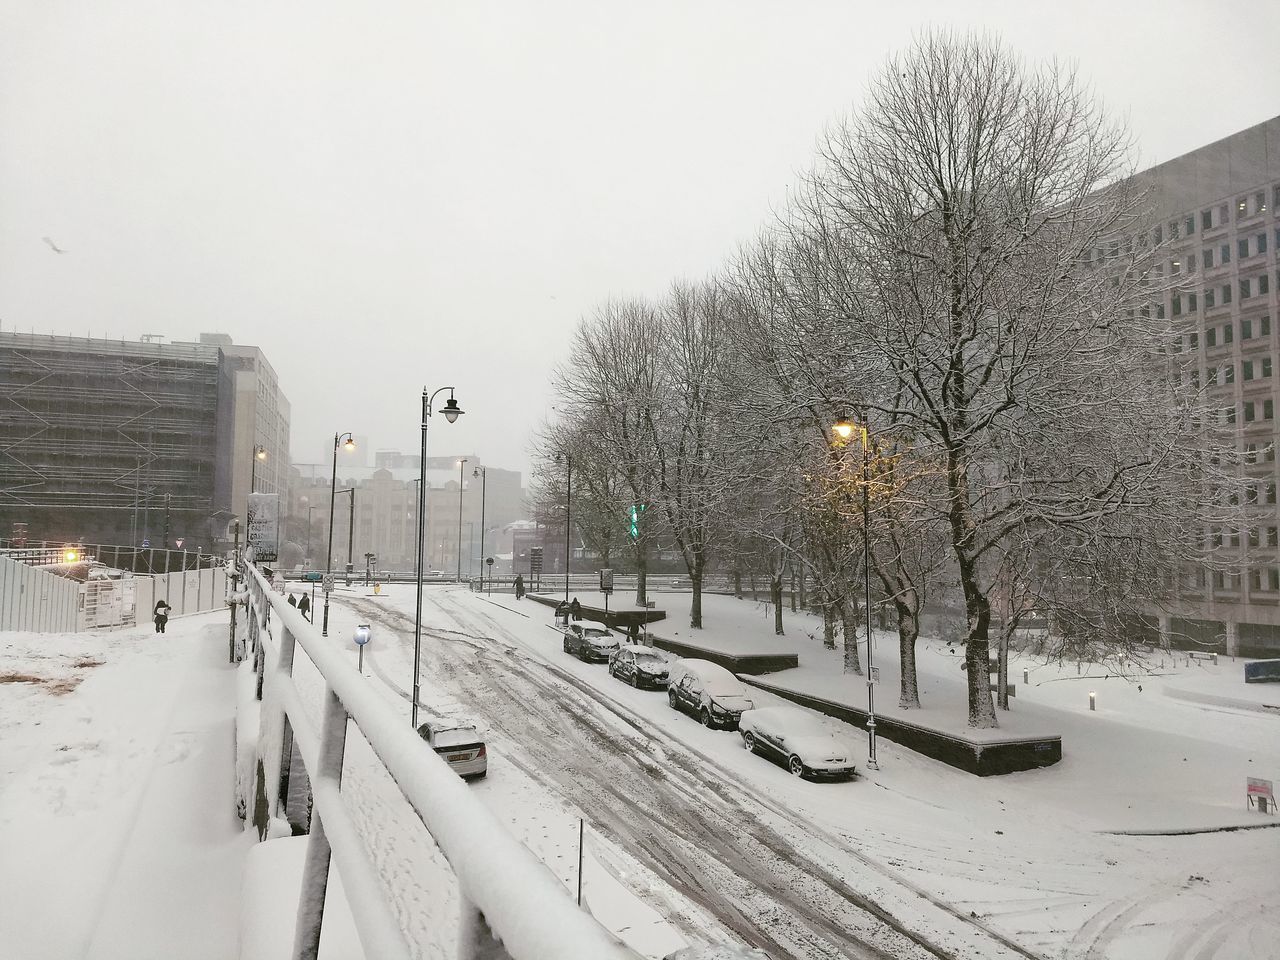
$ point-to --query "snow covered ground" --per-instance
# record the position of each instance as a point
(118, 833)
(119, 837)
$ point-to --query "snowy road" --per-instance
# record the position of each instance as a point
(767, 874)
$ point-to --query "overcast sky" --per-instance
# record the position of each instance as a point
(390, 195)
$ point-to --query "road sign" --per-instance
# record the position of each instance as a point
(606, 581)
(328, 583)
(362, 634)
(535, 559)
(146, 544)
(178, 543)
(489, 561)
(263, 530)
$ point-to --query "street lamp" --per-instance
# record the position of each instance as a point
(451, 413)
(259, 453)
(351, 532)
(482, 473)
(461, 463)
(568, 496)
(310, 506)
(350, 444)
(844, 428)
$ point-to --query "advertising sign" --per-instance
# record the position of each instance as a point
(606, 581)
(264, 526)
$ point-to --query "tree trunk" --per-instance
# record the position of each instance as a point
(849, 624)
(776, 592)
(982, 710)
(908, 632)
(695, 608)
(1002, 673)
(793, 589)
(801, 592)
(828, 625)
(737, 583)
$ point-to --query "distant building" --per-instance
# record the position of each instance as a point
(120, 442)
(387, 507)
(1216, 209)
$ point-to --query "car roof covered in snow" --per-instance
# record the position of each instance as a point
(716, 677)
(640, 648)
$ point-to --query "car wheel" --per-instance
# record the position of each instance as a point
(566, 647)
(749, 741)
(796, 766)
(671, 699)
(635, 679)
(705, 716)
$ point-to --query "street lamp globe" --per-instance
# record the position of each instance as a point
(451, 410)
(843, 428)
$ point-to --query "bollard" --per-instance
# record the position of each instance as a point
(1093, 700)
(1025, 681)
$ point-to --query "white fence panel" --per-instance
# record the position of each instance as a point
(36, 600)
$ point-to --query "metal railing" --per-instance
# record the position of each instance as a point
(512, 907)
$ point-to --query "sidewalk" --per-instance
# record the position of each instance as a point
(117, 816)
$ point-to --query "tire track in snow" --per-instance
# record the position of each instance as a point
(692, 831)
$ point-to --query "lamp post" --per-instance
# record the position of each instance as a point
(482, 473)
(451, 413)
(328, 556)
(568, 497)
(461, 463)
(259, 453)
(844, 428)
(351, 531)
(310, 506)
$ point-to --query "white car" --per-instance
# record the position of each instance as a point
(589, 642)
(800, 740)
(459, 744)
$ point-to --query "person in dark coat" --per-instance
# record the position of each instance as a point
(519, 587)
(304, 606)
(161, 614)
(575, 609)
(293, 601)
(562, 612)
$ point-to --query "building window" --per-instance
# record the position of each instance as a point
(1173, 229)
(1253, 536)
(1177, 305)
(1229, 373)
(1206, 256)
(1228, 333)
(1246, 329)
(1226, 293)
(1249, 414)
(1206, 219)
(1193, 340)
(1191, 303)
(1224, 214)
(1266, 367)
(1235, 538)
(1246, 371)
(1264, 285)
(1269, 413)
(1211, 337)
(1159, 311)
(1260, 241)
(1244, 288)
(1157, 234)
(1209, 300)
(1242, 247)
(1175, 267)
(1224, 253)
(1273, 536)
(1265, 324)
(1250, 453)
(1242, 207)
(1191, 263)
(1271, 488)
(1260, 201)
(1229, 415)
(1273, 578)
(1269, 453)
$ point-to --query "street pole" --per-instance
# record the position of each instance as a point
(351, 534)
(167, 498)
(328, 556)
(484, 478)
(461, 463)
(866, 585)
(568, 499)
(451, 413)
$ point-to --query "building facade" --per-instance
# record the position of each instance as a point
(124, 442)
(1215, 211)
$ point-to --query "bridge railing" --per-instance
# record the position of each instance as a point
(512, 907)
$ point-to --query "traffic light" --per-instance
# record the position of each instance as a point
(633, 520)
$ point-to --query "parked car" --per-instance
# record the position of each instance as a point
(589, 643)
(800, 740)
(640, 666)
(709, 692)
(459, 744)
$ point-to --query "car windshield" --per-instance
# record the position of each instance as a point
(592, 632)
(651, 659)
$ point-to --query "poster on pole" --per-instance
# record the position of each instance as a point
(264, 526)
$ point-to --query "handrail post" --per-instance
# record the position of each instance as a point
(315, 871)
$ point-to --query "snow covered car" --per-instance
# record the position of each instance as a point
(709, 692)
(799, 740)
(459, 744)
(589, 643)
(639, 666)
(719, 951)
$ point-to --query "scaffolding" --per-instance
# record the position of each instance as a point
(110, 440)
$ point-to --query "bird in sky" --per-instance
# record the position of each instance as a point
(53, 246)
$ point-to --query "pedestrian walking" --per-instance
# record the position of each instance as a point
(161, 614)
(575, 609)
(304, 606)
(519, 587)
(293, 601)
(562, 613)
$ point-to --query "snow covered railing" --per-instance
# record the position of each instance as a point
(512, 907)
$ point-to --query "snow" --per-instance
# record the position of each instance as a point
(117, 810)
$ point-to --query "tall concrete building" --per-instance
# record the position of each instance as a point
(123, 442)
(1216, 209)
